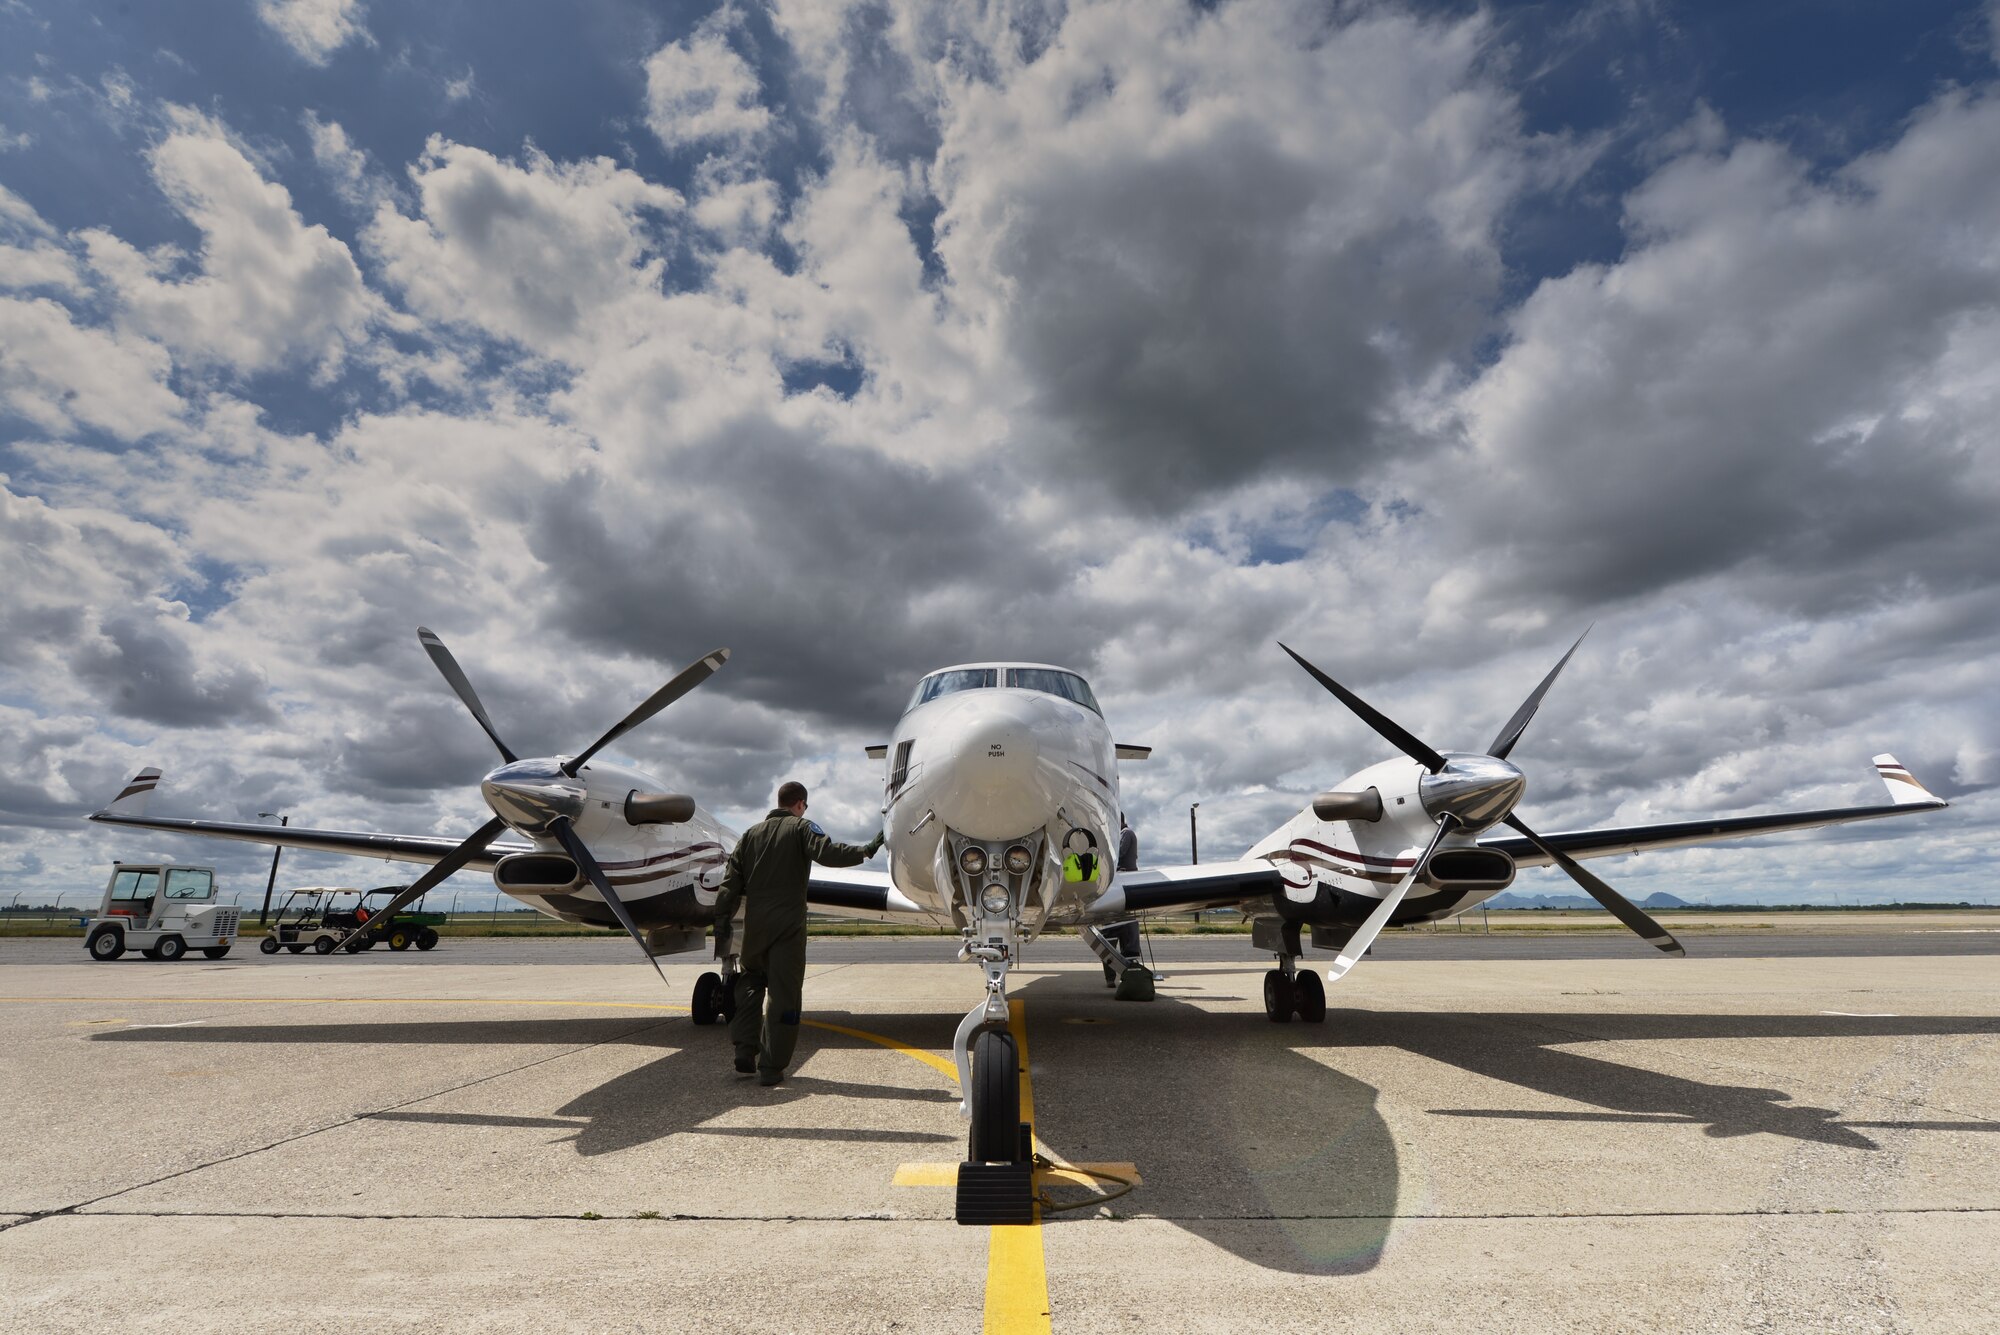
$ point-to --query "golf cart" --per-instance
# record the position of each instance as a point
(321, 917)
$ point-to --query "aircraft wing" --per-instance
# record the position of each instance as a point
(855, 892)
(1184, 888)
(1582, 844)
(424, 848)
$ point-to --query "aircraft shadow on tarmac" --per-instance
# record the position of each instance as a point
(1229, 1117)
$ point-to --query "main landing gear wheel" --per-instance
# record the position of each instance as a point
(300, 950)
(996, 1098)
(215, 952)
(708, 998)
(1310, 995)
(1281, 997)
(107, 943)
(269, 945)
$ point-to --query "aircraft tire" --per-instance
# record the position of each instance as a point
(1310, 994)
(215, 952)
(707, 1008)
(996, 1098)
(296, 950)
(1280, 998)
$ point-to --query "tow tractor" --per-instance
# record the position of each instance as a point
(163, 911)
(321, 917)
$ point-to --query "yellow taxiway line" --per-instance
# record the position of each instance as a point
(1017, 1277)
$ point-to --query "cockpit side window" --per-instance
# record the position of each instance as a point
(1051, 682)
(944, 683)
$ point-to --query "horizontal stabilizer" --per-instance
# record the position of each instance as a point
(1904, 789)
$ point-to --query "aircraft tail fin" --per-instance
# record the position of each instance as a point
(131, 800)
(1902, 785)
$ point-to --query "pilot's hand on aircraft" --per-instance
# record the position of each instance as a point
(873, 844)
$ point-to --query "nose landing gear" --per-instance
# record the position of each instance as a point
(996, 1183)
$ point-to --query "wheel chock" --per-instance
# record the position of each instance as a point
(1135, 984)
(996, 1193)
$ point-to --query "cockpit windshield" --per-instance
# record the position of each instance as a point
(945, 683)
(1052, 682)
(1049, 681)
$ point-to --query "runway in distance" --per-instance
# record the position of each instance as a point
(1000, 805)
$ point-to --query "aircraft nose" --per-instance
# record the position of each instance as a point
(991, 789)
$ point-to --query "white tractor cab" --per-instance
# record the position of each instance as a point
(162, 910)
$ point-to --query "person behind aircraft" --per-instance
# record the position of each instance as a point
(767, 873)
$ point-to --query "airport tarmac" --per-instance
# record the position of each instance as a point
(1634, 1144)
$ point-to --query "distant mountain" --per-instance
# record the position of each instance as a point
(1510, 900)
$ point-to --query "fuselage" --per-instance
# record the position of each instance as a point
(1008, 759)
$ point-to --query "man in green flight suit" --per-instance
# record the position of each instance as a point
(767, 872)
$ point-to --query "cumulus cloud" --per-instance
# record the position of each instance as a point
(267, 287)
(553, 256)
(699, 91)
(315, 29)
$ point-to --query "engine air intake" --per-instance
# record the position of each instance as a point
(536, 873)
(1469, 869)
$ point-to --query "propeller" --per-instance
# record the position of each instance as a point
(689, 677)
(537, 802)
(1476, 791)
(580, 855)
(1364, 936)
(474, 845)
(455, 676)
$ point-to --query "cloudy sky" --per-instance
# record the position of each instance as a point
(867, 336)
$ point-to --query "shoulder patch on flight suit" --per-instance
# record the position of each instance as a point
(813, 825)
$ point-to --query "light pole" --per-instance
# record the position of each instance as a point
(1194, 846)
(264, 914)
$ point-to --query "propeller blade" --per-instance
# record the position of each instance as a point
(689, 677)
(453, 861)
(1364, 937)
(1384, 726)
(1518, 724)
(1621, 908)
(574, 846)
(448, 665)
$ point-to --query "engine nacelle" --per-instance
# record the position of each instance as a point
(1469, 869)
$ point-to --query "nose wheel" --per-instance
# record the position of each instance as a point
(713, 1000)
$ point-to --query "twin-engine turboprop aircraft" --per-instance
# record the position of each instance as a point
(1000, 802)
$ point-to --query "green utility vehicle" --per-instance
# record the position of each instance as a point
(321, 918)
